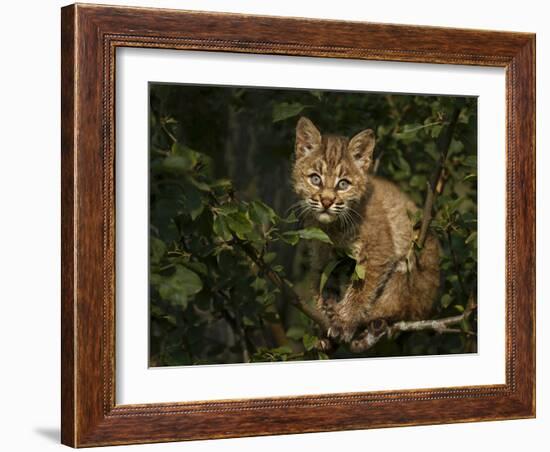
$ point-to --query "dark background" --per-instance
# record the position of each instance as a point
(212, 306)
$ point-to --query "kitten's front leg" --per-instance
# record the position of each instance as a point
(328, 304)
(345, 322)
(340, 321)
(355, 309)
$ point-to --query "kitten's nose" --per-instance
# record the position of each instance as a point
(326, 202)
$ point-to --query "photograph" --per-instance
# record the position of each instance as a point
(294, 224)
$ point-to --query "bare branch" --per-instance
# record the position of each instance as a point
(441, 326)
(166, 131)
(433, 187)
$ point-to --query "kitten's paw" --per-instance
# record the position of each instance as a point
(341, 333)
(347, 334)
(334, 332)
(370, 336)
(362, 343)
(377, 326)
(325, 345)
(328, 307)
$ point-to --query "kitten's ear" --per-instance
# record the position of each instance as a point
(308, 137)
(361, 147)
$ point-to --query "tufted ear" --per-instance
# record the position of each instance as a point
(308, 137)
(361, 147)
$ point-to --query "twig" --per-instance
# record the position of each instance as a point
(432, 186)
(165, 129)
(423, 126)
(368, 339)
(309, 310)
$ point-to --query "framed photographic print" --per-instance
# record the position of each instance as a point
(281, 225)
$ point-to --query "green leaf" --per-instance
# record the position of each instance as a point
(227, 209)
(193, 156)
(239, 224)
(436, 130)
(472, 237)
(178, 287)
(292, 237)
(290, 219)
(359, 271)
(221, 183)
(404, 165)
(193, 202)
(286, 110)
(177, 164)
(261, 213)
(327, 272)
(283, 349)
(322, 355)
(259, 284)
(181, 158)
(269, 257)
(456, 147)
(158, 248)
(314, 234)
(446, 300)
(200, 185)
(221, 229)
(198, 267)
(309, 341)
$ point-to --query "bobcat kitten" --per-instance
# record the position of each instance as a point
(370, 217)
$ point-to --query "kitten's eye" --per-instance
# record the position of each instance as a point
(315, 179)
(343, 184)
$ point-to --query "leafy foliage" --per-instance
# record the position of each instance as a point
(220, 195)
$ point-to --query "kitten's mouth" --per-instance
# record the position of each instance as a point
(326, 217)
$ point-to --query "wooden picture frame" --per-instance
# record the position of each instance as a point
(90, 36)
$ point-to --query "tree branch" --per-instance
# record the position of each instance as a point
(370, 338)
(311, 311)
(433, 186)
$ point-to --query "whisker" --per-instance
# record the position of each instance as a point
(354, 212)
(300, 209)
(296, 205)
(303, 212)
(345, 218)
(350, 224)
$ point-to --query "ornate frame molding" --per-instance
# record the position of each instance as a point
(90, 37)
